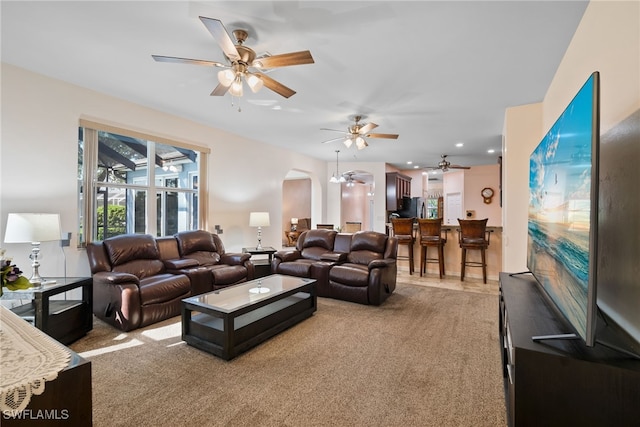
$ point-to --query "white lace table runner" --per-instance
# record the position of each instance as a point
(28, 358)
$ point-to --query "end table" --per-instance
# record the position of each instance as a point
(262, 266)
(66, 320)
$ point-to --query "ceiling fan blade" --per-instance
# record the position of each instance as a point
(219, 33)
(458, 167)
(220, 90)
(176, 60)
(366, 128)
(284, 60)
(382, 135)
(276, 86)
(332, 140)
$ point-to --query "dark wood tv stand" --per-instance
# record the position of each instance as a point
(559, 382)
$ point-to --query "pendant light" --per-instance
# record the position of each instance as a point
(337, 178)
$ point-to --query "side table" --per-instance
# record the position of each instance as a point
(66, 320)
(262, 266)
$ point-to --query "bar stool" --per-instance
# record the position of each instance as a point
(473, 235)
(430, 232)
(403, 231)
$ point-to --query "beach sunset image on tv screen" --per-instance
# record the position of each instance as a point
(560, 211)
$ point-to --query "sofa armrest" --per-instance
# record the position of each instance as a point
(180, 263)
(286, 256)
(113, 278)
(336, 257)
(381, 263)
(234, 258)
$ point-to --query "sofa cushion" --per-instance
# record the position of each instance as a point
(205, 258)
(363, 240)
(129, 247)
(314, 253)
(190, 242)
(141, 268)
(228, 274)
(298, 268)
(363, 257)
(350, 274)
(163, 287)
(320, 238)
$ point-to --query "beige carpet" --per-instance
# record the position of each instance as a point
(426, 357)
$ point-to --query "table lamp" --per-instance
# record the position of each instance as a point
(33, 228)
(294, 224)
(259, 219)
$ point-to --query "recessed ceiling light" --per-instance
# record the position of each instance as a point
(416, 167)
(409, 162)
(491, 150)
(459, 144)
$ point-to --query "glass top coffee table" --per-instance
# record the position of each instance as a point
(232, 320)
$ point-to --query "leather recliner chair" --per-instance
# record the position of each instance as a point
(368, 275)
(131, 287)
(224, 268)
(309, 259)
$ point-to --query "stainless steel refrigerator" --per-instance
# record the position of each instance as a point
(413, 207)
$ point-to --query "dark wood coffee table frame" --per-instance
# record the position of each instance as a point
(227, 333)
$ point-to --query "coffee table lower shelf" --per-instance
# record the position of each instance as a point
(228, 334)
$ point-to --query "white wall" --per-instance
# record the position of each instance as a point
(607, 40)
(38, 164)
(521, 134)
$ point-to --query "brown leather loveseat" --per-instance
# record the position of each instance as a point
(359, 267)
(139, 280)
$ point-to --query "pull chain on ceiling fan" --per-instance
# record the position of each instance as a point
(357, 132)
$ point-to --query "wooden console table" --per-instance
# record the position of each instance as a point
(559, 382)
(41, 381)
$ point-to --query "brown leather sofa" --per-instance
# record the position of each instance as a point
(359, 267)
(139, 280)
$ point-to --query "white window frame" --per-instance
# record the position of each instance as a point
(89, 184)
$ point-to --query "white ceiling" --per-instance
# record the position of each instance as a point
(436, 72)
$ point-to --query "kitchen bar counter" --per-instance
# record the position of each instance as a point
(453, 255)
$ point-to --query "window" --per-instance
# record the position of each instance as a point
(122, 192)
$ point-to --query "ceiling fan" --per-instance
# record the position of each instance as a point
(444, 165)
(243, 64)
(353, 178)
(357, 133)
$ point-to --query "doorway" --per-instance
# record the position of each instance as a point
(453, 208)
(296, 205)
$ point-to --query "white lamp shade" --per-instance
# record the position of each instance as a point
(259, 219)
(226, 77)
(361, 143)
(236, 87)
(294, 221)
(32, 227)
(255, 83)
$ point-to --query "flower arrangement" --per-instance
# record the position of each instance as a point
(10, 275)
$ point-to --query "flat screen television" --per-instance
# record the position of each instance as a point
(563, 208)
